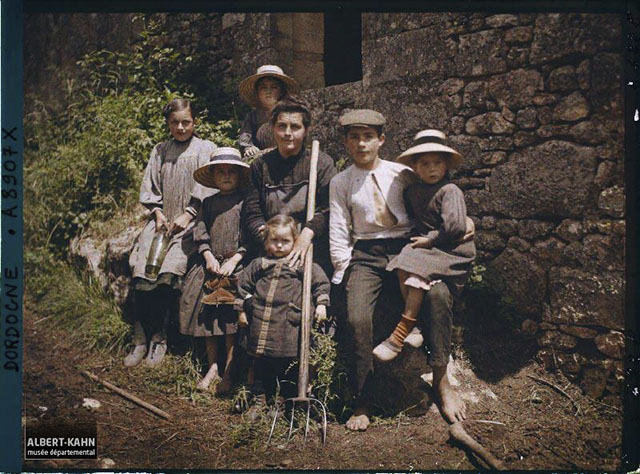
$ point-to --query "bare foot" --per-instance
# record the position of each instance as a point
(212, 375)
(452, 406)
(359, 421)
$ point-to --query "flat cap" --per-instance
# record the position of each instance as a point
(362, 118)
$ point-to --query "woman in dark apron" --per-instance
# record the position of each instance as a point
(279, 184)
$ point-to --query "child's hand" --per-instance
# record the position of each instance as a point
(211, 263)
(321, 313)
(421, 242)
(470, 232)
(251, 151)
(227, 267)
(181, 222)
(243, 322)
(161, 220)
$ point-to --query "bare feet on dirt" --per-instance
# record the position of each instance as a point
(452, 406)
(212, 376)
(359, 421)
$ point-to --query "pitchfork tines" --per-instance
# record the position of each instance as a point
(309, 401)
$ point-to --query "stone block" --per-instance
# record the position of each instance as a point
(556, 131)
(487, 240)
(466, 182)
(475, 94)
(501, 20)
(611, 344)
(493, 158)
(457, 124)
(527, 118)
(533, 229)
(482, 172)
(519, 244)
(604, 174)
(507, 227)
(594, 380)
(549, 252)
(583, 74)
(582, 298)
(557, 340)
(517, 56)
(545, 99)
(489, 123)
(520, 34)
(604, 252)
(551, 179)
(520, 279)
(611, 202)
(571, 108)
(557, 36)
(562, 79)
(496, 142)
(578, 331)
(451, 86)
(570, 230)
(589, 132)
(488, 223)
(516, 89)
(529, 327)
(522, 139)
(468, 147)
(480, 53)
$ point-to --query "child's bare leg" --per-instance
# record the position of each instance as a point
(452, 406)
(402, 276)
(391, 347)
(212, 357)
(225, 385)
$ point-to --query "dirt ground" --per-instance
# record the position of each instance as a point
(522, 421)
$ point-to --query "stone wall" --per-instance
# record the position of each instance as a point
(534, 103)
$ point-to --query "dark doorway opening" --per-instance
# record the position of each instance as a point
(342, 47)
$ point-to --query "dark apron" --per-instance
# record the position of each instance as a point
(289, 199)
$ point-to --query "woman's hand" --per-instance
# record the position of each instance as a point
(300, 248)
(251, 151)
(243, 322)
(230, 265)
(161, 220)
(181, 222)
(211, 263)
(421, 241)
(321, 313)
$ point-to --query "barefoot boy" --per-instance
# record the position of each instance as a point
(369, 226)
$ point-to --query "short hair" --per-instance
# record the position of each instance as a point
(177, 105)
(292, 104)
(279, 221)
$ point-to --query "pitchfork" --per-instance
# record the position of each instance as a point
(305, 324)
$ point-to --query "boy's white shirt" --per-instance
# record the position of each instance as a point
(352, 214)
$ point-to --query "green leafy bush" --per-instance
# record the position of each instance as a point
(87, 162)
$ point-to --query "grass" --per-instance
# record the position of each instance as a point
(73, 303)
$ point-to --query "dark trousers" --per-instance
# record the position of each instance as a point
(364, 281)
(273, 375)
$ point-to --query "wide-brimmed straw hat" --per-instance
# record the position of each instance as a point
(427, 141)
(247, 88)
(223, 155)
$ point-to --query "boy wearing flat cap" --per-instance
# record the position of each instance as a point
(369, 226)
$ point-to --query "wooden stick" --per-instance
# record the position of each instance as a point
(458, 433)
(557, 389)
(128, 396)
(305, 325)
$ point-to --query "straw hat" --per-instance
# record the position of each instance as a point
(247, 88)
(427, 141)
(222, 155)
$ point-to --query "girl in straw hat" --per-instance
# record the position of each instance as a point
(437, 260)
(217, 235)
(262, 91)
